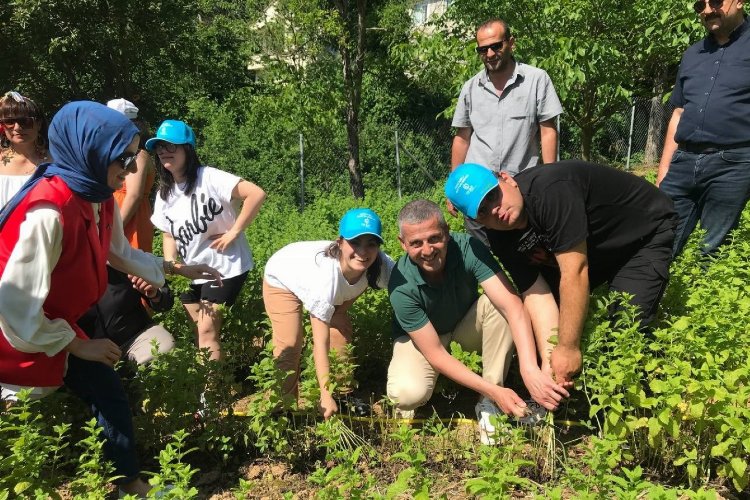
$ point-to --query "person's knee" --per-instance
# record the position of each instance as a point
(408, 394)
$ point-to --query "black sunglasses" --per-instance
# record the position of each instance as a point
(167, 146)
(700, 5)
(126, 159)
(23, 121)
(497, 46)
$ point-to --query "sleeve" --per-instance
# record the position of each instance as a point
(677, 99)
(562, 216)
(461, 117)
(159, 217)
(129, 260)
(483, 265)
(548, 104)
(317, 291)
(220, 182)
(386, 267)
(25, 284)
(504, 245)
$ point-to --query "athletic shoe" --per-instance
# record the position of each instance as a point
(404, 414)
(485, 410)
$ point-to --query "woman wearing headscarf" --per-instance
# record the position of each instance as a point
(56, 236)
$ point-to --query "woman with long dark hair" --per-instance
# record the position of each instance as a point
(324, 277)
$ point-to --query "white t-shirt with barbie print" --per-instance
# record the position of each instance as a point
(303, 269)
(193, 220)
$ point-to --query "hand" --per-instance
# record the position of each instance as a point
(198, 271)
(566, 364)
(508, 401)
(543, 389)
(451, 209)
(101, 350)
(222, 241)
(327, 406)
(144, 287)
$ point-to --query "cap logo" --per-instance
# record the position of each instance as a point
(467, 187)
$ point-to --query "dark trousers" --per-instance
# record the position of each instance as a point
(100, 387)
(712, 188)
(643, 272)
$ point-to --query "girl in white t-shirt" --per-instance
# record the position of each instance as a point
(325, 278)
(194, 211)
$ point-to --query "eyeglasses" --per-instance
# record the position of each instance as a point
(126, 159)
(22, 121)
(496, 47)
(489, 202)
(700, 5)
(163, 145)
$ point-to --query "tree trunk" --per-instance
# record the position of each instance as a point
(587, 139)
(656, 122)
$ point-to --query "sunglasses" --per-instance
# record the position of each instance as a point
(496, 47)
(22, 121)
(488, 203)
(126, 159)
(700, 5)
(165, 146)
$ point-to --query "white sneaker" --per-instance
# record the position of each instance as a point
(485, 409)
(535, 414)
(404, 414)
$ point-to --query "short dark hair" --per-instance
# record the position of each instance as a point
(418, 211)
(495, 20)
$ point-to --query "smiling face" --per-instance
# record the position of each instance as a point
(358, 254)
(426, 244)
(502, 208)
(116, 172)
(495, 60)
(18, 135)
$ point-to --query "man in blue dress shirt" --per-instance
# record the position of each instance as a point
(705, 166)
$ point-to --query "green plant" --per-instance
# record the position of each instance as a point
(94, 472)
(173, 479)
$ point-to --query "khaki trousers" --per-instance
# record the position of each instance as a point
(284, 310)
(411, 379)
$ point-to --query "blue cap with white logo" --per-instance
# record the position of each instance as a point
(359, 221)
(173, 131)
(467, 186)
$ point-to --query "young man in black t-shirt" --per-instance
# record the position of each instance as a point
(566, 228)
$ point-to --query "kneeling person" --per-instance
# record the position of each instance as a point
(433, 292)
(120, 316)
(564, 229)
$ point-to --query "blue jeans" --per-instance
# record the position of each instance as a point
(712, 188)
(100, 387)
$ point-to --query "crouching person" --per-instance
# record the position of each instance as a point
(433, 292)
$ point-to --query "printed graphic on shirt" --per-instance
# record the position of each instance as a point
(200, 216)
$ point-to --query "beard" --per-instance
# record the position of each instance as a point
(497, 65)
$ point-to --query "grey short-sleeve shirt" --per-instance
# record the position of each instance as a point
(505, 133)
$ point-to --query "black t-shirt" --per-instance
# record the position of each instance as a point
(119, 315)
(571, 201)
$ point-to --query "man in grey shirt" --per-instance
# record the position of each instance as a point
(506, 113)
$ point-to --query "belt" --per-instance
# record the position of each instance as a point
(707, 147)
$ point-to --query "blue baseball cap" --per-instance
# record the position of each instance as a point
(467, 186)
(173, 131)
(359, 221)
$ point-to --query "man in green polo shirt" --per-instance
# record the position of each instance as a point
(433, 292)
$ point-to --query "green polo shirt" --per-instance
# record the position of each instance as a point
(415, 302)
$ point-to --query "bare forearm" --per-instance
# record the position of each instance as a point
(574, 301)
(548, 136)
(460, 147)
(452, 368)
(321, 347)
(544, 315)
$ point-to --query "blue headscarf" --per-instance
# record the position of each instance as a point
(84, 139)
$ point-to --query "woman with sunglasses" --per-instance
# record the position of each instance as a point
(23, 142)
(324, 277)
(194, 210)
(56, 236)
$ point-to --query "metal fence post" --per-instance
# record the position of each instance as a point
(398, 166)
(301, 173)
(630, 136)
(557, 125)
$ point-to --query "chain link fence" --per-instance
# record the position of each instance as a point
(413, 156)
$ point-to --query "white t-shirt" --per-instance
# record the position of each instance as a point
(9, 186)
(303, 269)
(208, 211)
